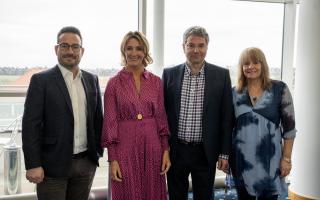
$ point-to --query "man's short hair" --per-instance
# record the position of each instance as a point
(69, 29)
(195, 31)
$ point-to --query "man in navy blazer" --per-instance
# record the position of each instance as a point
(198, 103)
(62, 124)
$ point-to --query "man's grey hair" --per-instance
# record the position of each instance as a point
(195, 31)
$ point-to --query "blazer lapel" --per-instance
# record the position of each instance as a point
(207, 87)
(63, 87)
(85, 87)
(178, 78)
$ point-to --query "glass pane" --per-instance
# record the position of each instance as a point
(28, 36)
(29, 29)
(232, 27)
(10, 109)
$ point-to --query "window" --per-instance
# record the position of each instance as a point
(28, 35)
(232, 27)
(27, 38)
(29, 29)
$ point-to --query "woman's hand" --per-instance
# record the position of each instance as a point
(285, 167)
(114, 171)
(165, 162)
(285, 162)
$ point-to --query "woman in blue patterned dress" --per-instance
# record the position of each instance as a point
(264, 130)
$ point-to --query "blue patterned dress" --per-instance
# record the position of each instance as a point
(257, 139)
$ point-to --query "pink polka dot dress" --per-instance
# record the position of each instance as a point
(135, 132)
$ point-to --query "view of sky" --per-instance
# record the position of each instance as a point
(232, 26)
(29, 28)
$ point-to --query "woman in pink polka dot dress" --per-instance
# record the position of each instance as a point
(135, 129)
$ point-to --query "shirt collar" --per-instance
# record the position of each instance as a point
(65, 72)
(188, 70)
(126, 74)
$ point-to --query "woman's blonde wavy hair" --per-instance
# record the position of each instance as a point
(142, 40)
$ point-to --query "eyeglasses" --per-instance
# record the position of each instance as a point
(191, 46)
(66, 46)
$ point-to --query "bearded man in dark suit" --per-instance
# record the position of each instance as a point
(62, 123)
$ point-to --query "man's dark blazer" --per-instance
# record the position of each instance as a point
(217, 109)
(48, 123)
